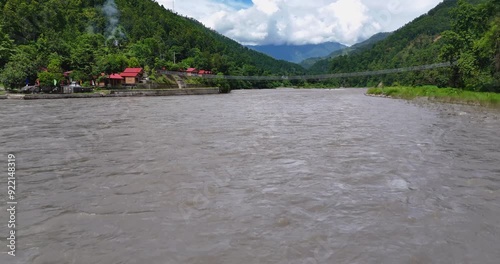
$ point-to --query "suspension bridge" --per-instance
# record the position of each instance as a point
(313, 77)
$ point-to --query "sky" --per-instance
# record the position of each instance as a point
(298, 22)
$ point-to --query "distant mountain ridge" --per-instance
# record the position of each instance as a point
(298, 53)
(366, 44)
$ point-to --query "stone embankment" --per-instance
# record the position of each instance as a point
(193, 91)
(124, 93)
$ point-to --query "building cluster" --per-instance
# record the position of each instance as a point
(196, 72)
(129, 77)
(133, 76)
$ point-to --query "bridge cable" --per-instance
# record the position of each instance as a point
(313, 77)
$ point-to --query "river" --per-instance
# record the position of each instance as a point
(255, 176)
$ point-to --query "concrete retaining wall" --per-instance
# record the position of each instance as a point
(60, 96)
(195, 91)
(124, 93)
(15, 96)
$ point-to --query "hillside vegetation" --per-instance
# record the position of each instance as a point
(42, 39)
(464, 32)
(433, 93)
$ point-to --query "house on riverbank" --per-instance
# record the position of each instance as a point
(132, 76)
(192, 72)
(115, 79)
(204, 72)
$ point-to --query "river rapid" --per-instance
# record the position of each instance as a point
(255, 176)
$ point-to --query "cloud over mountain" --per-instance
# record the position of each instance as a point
(301, 22)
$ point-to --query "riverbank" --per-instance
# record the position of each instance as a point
(446, 95)
(116, 93)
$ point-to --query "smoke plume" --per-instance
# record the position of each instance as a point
(113, 31)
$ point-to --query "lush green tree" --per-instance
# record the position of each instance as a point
(83, 51)
(488, 50)
(473, 43)
(54, 72)
(12, 76)
(22, 66)
(78, 75)
(6, 47)
(133, 63)
(112, 63)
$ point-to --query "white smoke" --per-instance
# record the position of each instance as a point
(113, 31)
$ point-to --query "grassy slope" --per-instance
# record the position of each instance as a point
(448, 95)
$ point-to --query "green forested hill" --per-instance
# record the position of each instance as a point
(94, 36)
(467, 32)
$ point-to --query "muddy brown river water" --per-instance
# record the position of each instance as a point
(259, 176)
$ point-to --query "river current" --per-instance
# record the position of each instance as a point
(255, 176)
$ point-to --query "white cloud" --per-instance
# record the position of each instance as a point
(269, 7)
(299, 21)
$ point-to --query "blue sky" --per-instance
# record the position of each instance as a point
(301, 21)
(246, 3)
(236, 4)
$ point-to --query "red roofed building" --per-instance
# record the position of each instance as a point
(115, 76)
(202, 72)
(132, 75)
(191, 71)
(115, 79)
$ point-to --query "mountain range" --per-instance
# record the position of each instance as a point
(298, 53)
(367, 44)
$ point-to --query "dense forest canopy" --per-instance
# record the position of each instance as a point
(42, 39)
(465, 32)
